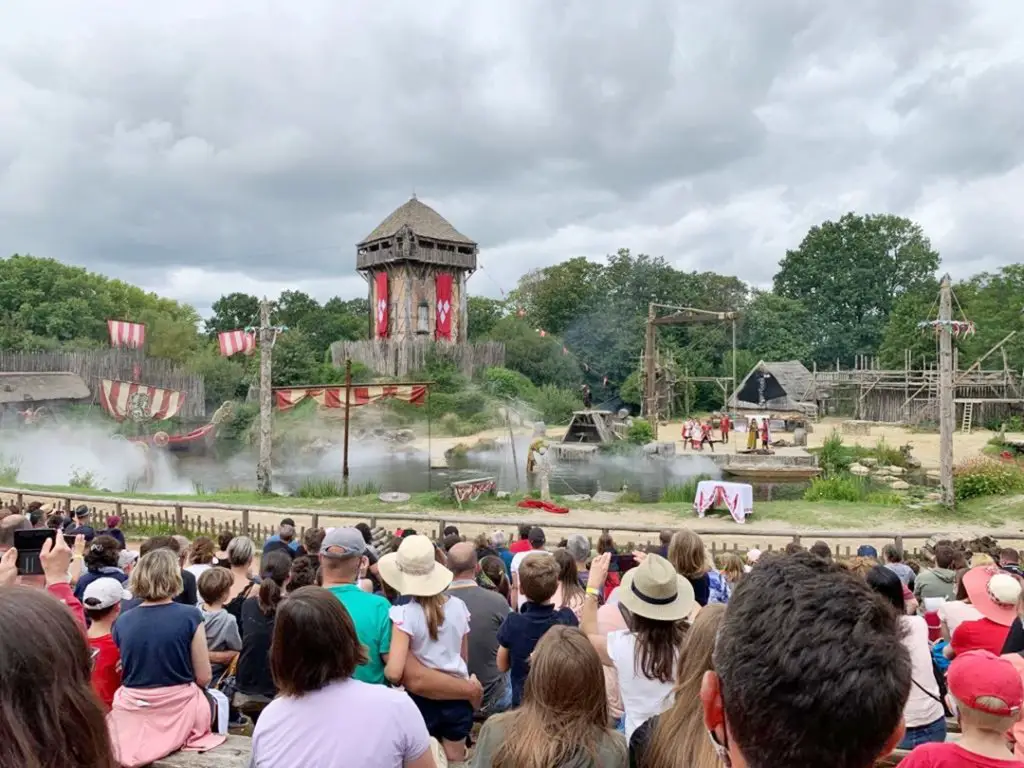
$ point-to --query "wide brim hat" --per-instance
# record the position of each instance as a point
(412, 570)
(994, 592)
(655, 591)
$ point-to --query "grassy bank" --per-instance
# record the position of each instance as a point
(991, 512)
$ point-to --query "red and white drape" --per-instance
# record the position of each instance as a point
(233, 342)
(381, 304)
(444, 308)
(334, 397)
(125, 334)
(738, 498)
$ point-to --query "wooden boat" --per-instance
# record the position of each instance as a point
(197, 441)
(769, 474)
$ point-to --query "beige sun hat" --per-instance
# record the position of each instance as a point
(655, 591)
(412, 570)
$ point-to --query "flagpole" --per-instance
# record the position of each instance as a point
(348, 405)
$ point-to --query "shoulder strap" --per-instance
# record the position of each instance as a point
(928, 693)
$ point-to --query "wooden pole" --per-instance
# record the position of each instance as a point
(733, 362)
(264, 481)
(650, 373)
(947, 409)
(348, 406)
(512, 442)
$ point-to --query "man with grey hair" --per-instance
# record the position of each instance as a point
(499, 543)
(578, 546)
(487, 610)
(8, 526)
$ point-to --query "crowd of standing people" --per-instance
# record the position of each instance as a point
(333, 653)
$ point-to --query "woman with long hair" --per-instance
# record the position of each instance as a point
(201, 554)
(313, 656)
(51, 717)
(253, 678)
(657, 603)
(687, 555)
(677, 738)
(570, 593)
(563, 720)
(493, 568)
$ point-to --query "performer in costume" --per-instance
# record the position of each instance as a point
(765, 436)
(705, 436)
(752, 434)
(587, 399)
(724, 425)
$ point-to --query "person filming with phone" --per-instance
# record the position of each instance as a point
(38, 558)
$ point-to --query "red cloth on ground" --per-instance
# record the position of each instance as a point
(106, 668)
(980, 634)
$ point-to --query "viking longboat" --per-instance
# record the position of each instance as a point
(143, 404)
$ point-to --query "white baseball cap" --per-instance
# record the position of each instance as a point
(103, 593)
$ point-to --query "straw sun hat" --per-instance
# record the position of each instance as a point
(655, 591)
(412, 570)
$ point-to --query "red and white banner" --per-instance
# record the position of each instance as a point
(124, 334)
(233, 342)
(138, 402)
(443, 290)
(738, 498)
(334, 397)
(381, 304)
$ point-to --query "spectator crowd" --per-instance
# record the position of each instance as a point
(516, 654)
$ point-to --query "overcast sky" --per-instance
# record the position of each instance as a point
(198, 147)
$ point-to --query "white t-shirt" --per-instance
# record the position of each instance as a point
(642, 697)
(953, 613)
(921, 709)
(517, 560)
(445, 653)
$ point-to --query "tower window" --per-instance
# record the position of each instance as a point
(423, 318)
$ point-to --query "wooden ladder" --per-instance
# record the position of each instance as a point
(968, 422)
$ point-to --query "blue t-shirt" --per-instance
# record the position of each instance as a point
(156, 644)
(520, 632)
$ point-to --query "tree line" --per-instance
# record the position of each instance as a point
(855, 286)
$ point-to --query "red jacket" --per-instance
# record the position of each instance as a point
(63, 593)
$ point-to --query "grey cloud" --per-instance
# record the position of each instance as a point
(265, 141)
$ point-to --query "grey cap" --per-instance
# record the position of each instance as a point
(343, 542)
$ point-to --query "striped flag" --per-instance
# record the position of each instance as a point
(139, 402)
(233, 342)
(125, 334)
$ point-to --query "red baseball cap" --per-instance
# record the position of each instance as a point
(979, 674)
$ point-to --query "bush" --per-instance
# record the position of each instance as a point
(503, 382)
(833, 458)
(888, 455)
(641, 432)
(837, 488)
(556, 405)
(685, 492)
(984, 477)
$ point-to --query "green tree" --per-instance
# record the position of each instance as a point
(902, 331)
(555, 297)
(539, 358)
(849, 274)
(233, 312)
(483, 314)
(995, 301)
(776, 328)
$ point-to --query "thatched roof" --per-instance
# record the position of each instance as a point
(41, 387)
(423, 220)
(788, 386)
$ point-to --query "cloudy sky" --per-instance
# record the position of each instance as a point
(200, 147)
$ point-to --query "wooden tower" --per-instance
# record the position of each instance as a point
(417, 265)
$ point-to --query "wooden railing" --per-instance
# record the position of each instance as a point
(172, 514)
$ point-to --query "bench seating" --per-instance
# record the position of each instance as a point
(233, 753)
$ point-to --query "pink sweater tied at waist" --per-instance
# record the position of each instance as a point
(147, 724)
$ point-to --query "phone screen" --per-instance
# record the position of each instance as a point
(29, 544)
(625, 562)
(69, 539)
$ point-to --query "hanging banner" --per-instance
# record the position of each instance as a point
(138, 402)
(334, 397)
(381, 308)
(443, 290)
(125, 334)
(232, 342)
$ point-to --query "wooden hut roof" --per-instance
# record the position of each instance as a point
(423, 220)
(41, 387)
(790, 387)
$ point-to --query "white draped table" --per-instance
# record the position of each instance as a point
(738, 498)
